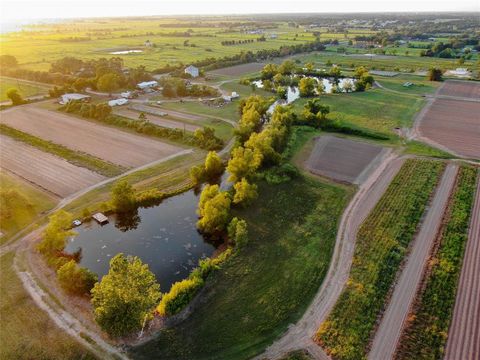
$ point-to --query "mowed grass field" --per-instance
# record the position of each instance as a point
(16, 213)
(25, 89)
(27, 332)
(375, 109)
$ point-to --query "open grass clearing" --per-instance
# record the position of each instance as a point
(382, 242)
(27, 331)
(420, 86)
(19, 213)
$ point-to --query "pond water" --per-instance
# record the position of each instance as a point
(124, 52)
(328, 83)
(164, 237)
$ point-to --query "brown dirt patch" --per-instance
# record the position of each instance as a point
(461, 89)
(342, 159)
(157, 120)
(455, 125)
(110, 144)
(47, 171)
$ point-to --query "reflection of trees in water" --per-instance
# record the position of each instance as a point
(127, 220)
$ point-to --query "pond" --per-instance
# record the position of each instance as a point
(328, 84)
(125, 52)
(164, 237)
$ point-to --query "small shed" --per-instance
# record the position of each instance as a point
(117, 102)
(147, 85)
(192, 70)
(100, 218)
(66, 98)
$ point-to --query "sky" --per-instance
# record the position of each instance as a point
(16, 10)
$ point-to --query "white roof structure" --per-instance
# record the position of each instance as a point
(192, 70)
(117, 102)
(147, 84)
(65, 98)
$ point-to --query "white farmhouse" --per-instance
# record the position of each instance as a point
(192, 70)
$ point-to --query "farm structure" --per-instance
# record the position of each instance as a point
(192, 71)
(66, 98)
(455, 125)
(49, 172)
(344, 160)
(112, 145)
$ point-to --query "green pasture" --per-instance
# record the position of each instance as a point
(25, 89)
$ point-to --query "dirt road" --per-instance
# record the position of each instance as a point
(108, 143)
(391, 325)
(45, 170)
(464, 335)
(299, 336)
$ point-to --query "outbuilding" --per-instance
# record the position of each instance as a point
(147, 85)
(66, 98)
(192, 71)
(117, 102)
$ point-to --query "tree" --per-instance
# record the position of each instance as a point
(123, 197)
(249, 123)
(320, 87)
(214, 210)
(8, 61)
(80, 84)
(213, 165)
(55, 234)
(269, 71)
(243, 163)
(315, 113)
(434, 74)
(245, 192)
(142, 116)
(348, 86)
(287, 67)
(15, 97)
(126, 296)
(306, 87)
(108, 82)
(281, 92)
(75, 279)
(263, 143)
(237, 232)
(197, 174)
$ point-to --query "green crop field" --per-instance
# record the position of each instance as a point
(382, 242)
(20, 204)
(25, 88)
(426, 334)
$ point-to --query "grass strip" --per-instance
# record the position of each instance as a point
(382, 243)
(426, 332)
(74, 157)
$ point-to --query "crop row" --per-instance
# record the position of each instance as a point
(382, 242)
(426, 332)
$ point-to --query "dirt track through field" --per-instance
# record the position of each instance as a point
(173, 113)
(299, 336)
(391, 325)
(110, 144)
(238, 70)
(464, 334)
(47, 171)
(158, 120)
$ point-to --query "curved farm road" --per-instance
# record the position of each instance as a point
(391, 325)
(299, 336)
(464, 334)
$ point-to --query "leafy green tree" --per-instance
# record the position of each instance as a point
(214, 210)
(197, 174)
(15, 97)
(335, 72)
(142, 116)
(269, 71)
(249, 123)
(282, 92)
(359, 71)
(238, 232)
(245, 192)
(306, 87)
(435, 74)
(125, 298)
(108, 82)
(80, 84)
(55, 234)
(287, 67)
(123, 196)
(320, 87)
(315, 113)
(263, 143)
(213, 165)
(243, 163)
(75, 279)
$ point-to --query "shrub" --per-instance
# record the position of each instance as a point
(75, 279)
(179, 296)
